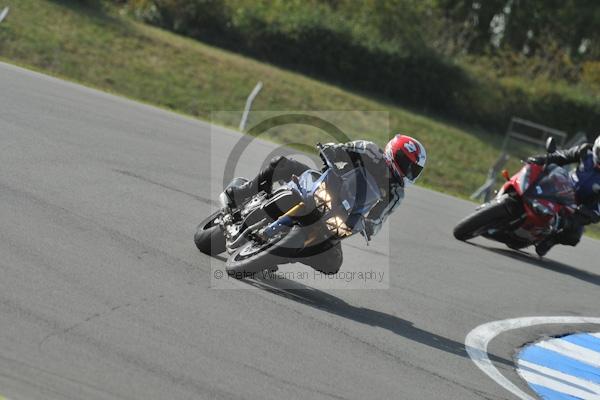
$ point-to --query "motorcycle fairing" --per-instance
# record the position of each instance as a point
(353, 195)
(541, 189)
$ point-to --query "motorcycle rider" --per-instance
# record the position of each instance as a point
(400, 163)
(586, 179)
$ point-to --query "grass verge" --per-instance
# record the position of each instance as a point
(99, 47)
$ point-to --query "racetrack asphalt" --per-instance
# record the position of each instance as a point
(103, 294)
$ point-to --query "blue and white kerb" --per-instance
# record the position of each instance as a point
(563, 368)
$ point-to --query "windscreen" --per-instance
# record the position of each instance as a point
(556, 186)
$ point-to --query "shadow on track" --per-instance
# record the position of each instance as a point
(545, 263)
(326, 302)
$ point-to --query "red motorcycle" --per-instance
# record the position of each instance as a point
(531, 206)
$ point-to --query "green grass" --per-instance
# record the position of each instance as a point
(593, 231)
(103, 49)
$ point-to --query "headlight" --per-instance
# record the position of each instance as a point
(322, 198)
(540, 208)
(338, 227)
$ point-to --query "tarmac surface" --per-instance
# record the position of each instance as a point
(103, 294)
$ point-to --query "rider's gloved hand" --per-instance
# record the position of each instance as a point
(539, 160)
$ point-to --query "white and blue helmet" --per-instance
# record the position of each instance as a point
(596, 151)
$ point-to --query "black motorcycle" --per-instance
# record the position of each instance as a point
(300, 219)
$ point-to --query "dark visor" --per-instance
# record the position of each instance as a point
(411, 170)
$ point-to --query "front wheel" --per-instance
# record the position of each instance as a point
(255, 257)
(209, 238)
(489, 216)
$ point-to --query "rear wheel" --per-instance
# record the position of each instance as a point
(491, 215)
(209, 238)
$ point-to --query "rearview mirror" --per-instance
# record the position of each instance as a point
(550, 145)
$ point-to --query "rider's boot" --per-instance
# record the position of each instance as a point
(232, 197)
(543, 247)
(279, 168)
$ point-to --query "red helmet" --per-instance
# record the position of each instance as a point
(406, 157)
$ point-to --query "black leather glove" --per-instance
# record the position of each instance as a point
(539, 160)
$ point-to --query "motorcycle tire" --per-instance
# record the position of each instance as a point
(209, 238)
(252, 258)
(485, 218)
